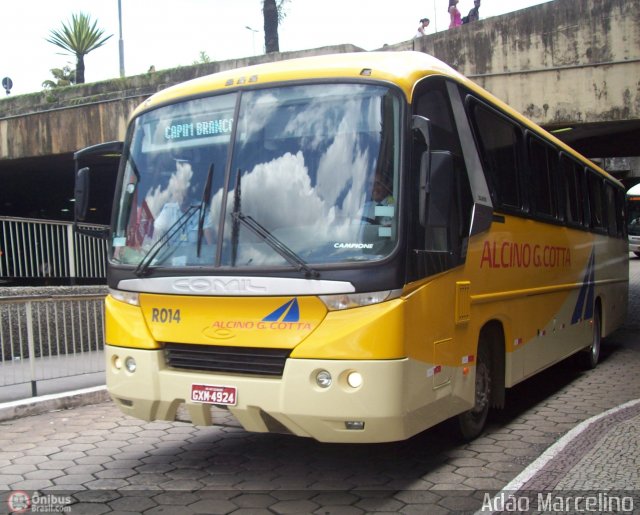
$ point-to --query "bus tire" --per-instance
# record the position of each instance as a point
(471, 423)
(591, 355)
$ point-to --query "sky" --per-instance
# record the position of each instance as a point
(170, 33)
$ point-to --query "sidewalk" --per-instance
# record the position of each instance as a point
(52, 402)
(600, 454)
(596, 462)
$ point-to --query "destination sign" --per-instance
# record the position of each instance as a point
(182, 130)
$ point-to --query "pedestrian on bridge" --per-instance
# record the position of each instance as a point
(454, 14)
(422, 28)
(474, 13)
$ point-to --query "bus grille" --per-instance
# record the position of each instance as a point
(239, 360)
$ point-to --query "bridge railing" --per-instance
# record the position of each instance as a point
(45, 337)
(45, 249)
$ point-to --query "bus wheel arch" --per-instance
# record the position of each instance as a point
(489, 382)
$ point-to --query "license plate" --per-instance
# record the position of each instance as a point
(211, 394)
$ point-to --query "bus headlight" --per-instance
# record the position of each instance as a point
(323, 379)
(128, 297)
(355, 300)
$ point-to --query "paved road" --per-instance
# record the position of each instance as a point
(93, 459)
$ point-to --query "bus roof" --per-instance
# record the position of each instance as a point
(404, 69)
(634, 190)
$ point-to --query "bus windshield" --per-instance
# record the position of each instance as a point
(311, 169)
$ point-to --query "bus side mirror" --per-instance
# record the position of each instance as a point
(105, 158)
(81, 194)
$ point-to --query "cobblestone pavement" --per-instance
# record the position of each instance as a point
(92, 459)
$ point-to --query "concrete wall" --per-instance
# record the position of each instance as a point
(67, 119)
(566, 61)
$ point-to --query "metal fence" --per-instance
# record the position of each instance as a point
(50, 337)
(46, 249)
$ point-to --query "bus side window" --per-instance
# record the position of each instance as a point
(543, 164)
(596, 197)
(432, 101)
(621, 213)
(611, 206)
(499, 141)
(573, 191)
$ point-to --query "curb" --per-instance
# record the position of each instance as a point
(60, 401)
(526, 478)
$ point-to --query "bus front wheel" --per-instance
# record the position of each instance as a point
(471, 423)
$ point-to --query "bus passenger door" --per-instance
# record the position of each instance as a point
(442, 202)
(441, 207)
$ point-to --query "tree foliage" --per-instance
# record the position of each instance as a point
(78, 37)
(63, 77)
(203, 58)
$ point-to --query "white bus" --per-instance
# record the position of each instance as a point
(633, 215)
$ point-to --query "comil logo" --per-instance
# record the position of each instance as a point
(19, 502)
(288, 312)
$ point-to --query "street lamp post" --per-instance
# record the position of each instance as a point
(121, 42)
(253, 37)
(435, 17)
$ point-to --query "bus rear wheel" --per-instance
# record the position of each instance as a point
(591, 355)
(472, 422)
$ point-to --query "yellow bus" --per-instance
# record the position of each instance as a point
(351, 248)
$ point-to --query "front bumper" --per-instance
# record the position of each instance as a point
(394, 402)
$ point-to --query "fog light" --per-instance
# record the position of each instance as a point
(354, 379)
(117, 363)
(354, 425)
(323, 379)
(130, 364)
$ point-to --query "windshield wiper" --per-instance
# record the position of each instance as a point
(235, 234)
(177, 226)
(288, 254)
(173, 230)
(204, 204)
(264, 233)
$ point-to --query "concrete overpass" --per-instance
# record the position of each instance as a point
(564, 64)
(570, 65)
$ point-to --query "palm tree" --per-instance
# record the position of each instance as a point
(78, 38)
(273, 13)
